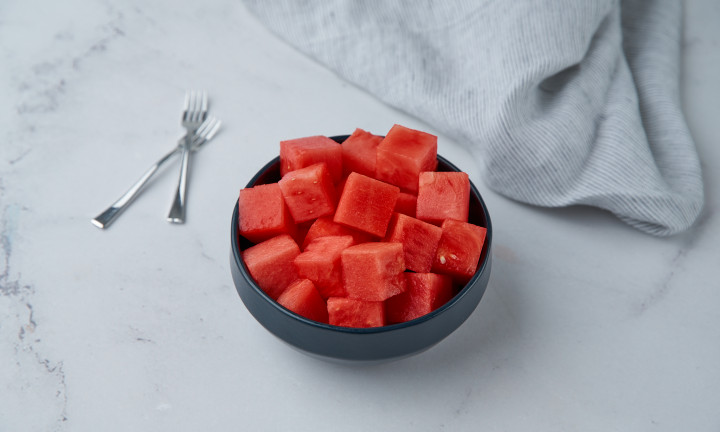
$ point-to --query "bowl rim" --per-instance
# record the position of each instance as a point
(237, 256)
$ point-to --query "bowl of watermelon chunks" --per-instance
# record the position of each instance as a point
(361, 248)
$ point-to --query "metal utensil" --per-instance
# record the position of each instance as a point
(196, 106)
(204, 133)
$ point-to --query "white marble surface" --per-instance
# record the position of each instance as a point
(587, 324)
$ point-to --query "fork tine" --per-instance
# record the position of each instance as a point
(204, 107)
(201, 107)
(213, 129)
(195, 107)
(209, 126)
(208, 129)
(186, 105)
(189, 108)
(211, 133)
(202, 130)
(199, 95)
(205, 126)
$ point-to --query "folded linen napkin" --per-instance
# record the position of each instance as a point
(565, 102)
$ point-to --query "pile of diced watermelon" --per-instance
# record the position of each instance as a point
(361, 234)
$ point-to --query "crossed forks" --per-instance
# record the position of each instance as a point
(200, 129)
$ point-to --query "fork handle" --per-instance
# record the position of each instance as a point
(104, 219)
(177, 210)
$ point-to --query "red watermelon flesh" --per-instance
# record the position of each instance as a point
(320, 262)
(366, 204)
(359, 152)
(373, 271)
(309, 192)
(425, 293)
(325, 226)
(419, 239)
(360, 234)
(302, 230)
(403, 155)
(263, 213)
(443, 195)
(406, 204)
(459, 250)
(302, 152)
(339, 187)
(346, 312)
(270, 263)
(302, 298)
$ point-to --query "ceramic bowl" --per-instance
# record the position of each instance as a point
(360, 344)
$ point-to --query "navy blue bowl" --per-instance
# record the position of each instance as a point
(360, 344)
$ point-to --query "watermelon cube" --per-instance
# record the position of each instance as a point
(373, 271)
(459, 249)
(325, 226)
(320, 262)
(302, 298)
(425, 293)
(263, 213)
(346, 312)
(359, 153)
(366, 204)
(406, 204)
(419, 240)
(270, 263)
(309, 192)
(403, 155)
(302, 152)
(443, 195)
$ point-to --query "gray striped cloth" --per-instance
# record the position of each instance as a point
(565, 102)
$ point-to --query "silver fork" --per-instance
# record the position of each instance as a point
(204, 133)
(196, 106)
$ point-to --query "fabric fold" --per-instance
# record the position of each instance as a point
(564, 102)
